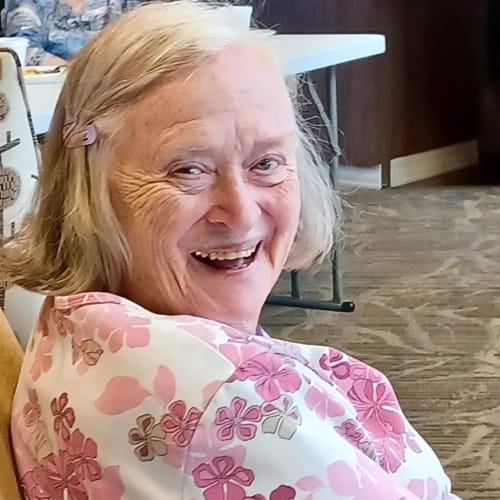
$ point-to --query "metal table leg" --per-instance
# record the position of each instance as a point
(331, 122)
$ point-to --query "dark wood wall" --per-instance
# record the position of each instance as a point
(422, 94)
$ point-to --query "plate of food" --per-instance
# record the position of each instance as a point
(43, 74)
(43, 70)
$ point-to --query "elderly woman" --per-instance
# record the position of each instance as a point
(176, 186)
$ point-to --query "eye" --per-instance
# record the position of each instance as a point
(267, 164)
(188, 170)
(189, 176)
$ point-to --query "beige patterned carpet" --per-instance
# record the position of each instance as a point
(423, 266)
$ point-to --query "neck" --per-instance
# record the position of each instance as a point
(249, 327)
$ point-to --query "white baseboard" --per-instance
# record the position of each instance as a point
(364, 177)
(420, 166)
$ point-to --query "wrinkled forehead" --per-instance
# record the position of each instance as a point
(244, 79)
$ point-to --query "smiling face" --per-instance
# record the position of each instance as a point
(204, 183)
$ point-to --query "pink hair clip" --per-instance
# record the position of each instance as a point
(78, 136)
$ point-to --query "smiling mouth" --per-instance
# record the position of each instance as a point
(227, 261)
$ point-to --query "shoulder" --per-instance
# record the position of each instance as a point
(120, 323)
(100, 332)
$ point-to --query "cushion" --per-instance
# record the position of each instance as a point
(11, 356)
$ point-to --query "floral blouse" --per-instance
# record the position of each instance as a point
(115, 402)
(59, 27)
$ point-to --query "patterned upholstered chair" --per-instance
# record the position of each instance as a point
(19, 163)
(11, 356)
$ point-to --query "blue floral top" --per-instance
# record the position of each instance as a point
(59, 27)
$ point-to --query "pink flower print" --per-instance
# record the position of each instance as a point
(285, 349)
(181, 423)
(89, 351)
(273, 375)
(43, 358)
(56, 476)
(323, 404)
(110, 488)
(32, 410)
(283, 493)
(149, 438)
(222, 479)
(417, 487)
(360, 370)
(363, 483)
(206, 446)
(351, 431)
(132, 330)
(377, 407)
(200, 330)
(94, 298)
(239, 353)
(83, 452)
(64, 418)
(412, 442)
(30, 489)
(235, 420)
(281, 417)
(332, 362)
(389, 452)
(63, 324)
(428, 491)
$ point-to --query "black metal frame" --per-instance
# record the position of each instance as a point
(294, 299)
(336, 304)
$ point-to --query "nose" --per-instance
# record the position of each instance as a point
(235, 204)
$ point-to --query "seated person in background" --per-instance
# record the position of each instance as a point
(178, 182)
(58, 29)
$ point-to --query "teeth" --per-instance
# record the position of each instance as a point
(226, 255)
